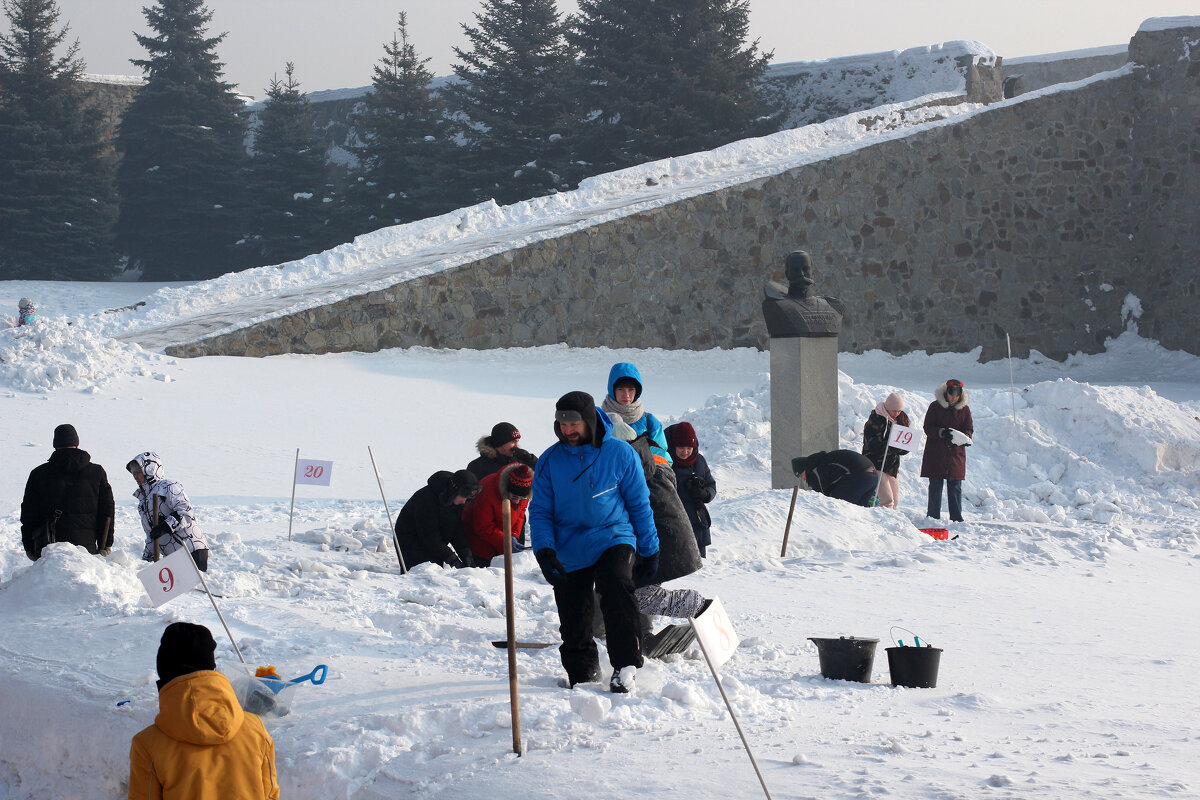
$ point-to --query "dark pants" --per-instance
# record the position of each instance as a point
(201, 559)
(858, 489)
(611, 577)
(953, 499)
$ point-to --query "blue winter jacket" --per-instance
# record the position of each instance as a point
(648, 424)
(589, 498)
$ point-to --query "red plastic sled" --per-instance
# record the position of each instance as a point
(941, 534)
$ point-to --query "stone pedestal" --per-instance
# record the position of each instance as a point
(804, 402)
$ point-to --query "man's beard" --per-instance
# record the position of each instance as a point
(576, 438)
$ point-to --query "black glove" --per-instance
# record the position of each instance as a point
(697, 490)
(645, 570)
(945, 434)
(552, 568)
(160, 530)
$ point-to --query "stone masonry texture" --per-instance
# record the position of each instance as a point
(1036, 217)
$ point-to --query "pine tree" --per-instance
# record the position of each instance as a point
(666, 78)
(288, 177)
(405, 141)
(514, 99)
(57, 202)
(182, 157)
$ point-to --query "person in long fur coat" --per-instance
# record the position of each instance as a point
(944, 461)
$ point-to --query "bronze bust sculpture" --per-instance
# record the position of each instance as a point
(796, 311)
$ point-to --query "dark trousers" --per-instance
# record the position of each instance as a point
(858, 489)
(611, 577)
(953, 499)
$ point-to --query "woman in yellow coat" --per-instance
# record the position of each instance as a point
(202, 746)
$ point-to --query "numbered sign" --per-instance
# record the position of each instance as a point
(316, 473)
(903, 438)
(172, 576)
(715, 632)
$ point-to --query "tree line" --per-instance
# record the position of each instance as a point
(190, 189)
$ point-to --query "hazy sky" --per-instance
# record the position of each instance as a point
(334, 43)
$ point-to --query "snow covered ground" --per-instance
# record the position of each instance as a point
(1065, 608)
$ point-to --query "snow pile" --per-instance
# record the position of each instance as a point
(54, 353)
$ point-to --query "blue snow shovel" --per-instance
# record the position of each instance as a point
(277, 685)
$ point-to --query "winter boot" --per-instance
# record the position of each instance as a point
(623, 680)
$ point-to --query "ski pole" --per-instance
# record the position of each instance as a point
(292, 510)
(200, 574)
(788, 528)
(388, 511)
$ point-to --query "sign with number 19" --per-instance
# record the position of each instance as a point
(903, 438)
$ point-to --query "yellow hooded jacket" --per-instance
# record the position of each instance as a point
(202, 746)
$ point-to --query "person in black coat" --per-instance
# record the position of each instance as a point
(876, 434)
(73, 494)
(841, 474)
(499, 450)
(429, 527)
(693, 479)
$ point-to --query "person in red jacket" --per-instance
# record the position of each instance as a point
(483, 517)
(945, 457)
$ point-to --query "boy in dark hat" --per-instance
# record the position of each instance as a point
(202, 745)
(67, 499)
(429, 526)
(500, 449)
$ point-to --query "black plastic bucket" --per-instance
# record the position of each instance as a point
(914, 667)
(846, 658)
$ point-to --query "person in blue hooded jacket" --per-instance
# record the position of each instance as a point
(589, 515)
(624, 399)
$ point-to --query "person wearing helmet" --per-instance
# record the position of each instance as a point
(26, 312)
(166, 512)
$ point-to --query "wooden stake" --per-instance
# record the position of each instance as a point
(788, 528)
(510, 614)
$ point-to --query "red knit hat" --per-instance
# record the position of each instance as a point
(683, 435)
(520, 481)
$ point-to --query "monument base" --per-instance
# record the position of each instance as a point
(804, 402)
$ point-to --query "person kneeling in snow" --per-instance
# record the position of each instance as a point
(841, 474)
(202, 746)
(483, 517)
(430, 527)
(166, 512)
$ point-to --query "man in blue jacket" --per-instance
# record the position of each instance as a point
(590, 512)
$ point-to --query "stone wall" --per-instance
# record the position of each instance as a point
(1031, 73)
(1035, 217)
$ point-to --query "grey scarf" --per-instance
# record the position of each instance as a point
(631, 413)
